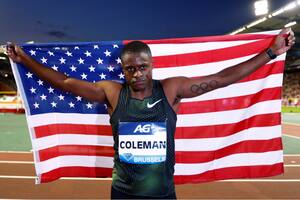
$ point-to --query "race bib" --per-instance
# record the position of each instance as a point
(142, 142)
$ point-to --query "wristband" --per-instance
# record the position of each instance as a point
(271, 54)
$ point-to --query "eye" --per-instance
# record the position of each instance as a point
(130, 69)
(142, 68)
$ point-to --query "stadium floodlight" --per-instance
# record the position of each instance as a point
(256, 22)
(290, 6)
(290, 24)
(261, 7)
(298, 2)
(278, 12)
(237, 31)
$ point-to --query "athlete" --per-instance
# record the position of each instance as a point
(143, 112)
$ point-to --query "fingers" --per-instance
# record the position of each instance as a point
(290, 40)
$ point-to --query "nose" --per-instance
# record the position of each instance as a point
(137, 73)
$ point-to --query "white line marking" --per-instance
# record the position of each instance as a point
(288, 123)
(15, 162)
(25, 152)
(109, 179)
(291, 136)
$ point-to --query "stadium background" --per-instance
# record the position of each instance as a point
(16, 163)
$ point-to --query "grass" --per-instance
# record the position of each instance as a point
(290, 109)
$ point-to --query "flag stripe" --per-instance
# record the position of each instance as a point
(251, 146)
(198, 70)
(235, 160)
(75, 172)
(232, 172)
(63, 150)
(230, 103)
(228, 129)
(206, 57)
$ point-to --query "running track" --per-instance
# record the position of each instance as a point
(17, 181)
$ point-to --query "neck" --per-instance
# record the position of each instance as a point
(142, 94)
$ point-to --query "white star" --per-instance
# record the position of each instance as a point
(73, 68)
(50, 89)
(69, 53)
(118, 61)
(44, 60)
(89, 105)
(50, 53)
(71, 104)
(40, 82)
(61, 97)
(116, 46)
(43, 97)
(102, 76)
(110, 68)
(88, 54)
(54, 67)
(32, 90)
(76, 47)
(57, 48)
(121, 76)
(62, 60)
(29, 75)
(81, 61)
(83, 76)
(36, 105)
(107, 53)
(32, 52)
(92, 68)
(78, 98)
(53, 104)
(96, 47)
(100, 61)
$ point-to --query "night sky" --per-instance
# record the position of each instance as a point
(98, 20)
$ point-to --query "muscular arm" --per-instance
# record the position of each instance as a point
(90, 91)
(187, 87)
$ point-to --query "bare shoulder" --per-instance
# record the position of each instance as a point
(173, 84)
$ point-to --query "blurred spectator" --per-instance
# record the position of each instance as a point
(291, 89)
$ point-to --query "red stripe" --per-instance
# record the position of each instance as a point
(53, 129)
(248, 146)
(91, 172)
(227, 129)
(218, 38)
(232, 172)
(79, 150)
(227, 104)
(211, 55)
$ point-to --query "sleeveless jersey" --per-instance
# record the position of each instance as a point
(144, 179)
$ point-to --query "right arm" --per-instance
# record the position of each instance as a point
(91, 91)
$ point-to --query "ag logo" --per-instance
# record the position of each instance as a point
(143, 129)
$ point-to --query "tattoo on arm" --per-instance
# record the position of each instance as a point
(204, 87)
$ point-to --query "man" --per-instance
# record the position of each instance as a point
(146, 110)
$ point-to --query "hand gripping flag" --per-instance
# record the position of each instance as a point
(231, 132)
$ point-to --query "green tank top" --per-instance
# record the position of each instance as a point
(144, 179)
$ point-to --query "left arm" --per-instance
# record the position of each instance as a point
(187, 87)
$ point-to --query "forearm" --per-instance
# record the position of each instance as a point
(240, 71)
(47, 74)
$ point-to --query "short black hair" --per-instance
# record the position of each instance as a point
(136, 47)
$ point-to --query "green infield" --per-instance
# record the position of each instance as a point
(290, 109)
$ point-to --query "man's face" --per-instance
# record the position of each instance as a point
(137, 68)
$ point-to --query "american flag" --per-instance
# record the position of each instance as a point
(231, 132)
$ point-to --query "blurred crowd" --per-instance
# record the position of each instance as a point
(291, 89)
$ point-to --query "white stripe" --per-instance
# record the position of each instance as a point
(69, 161)
(71, 139)
(235, 160)
(228, 117)
(240, 89)
(202, 69)
(199, 119)
(183, 48)
(211, 144)
(67, 118)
